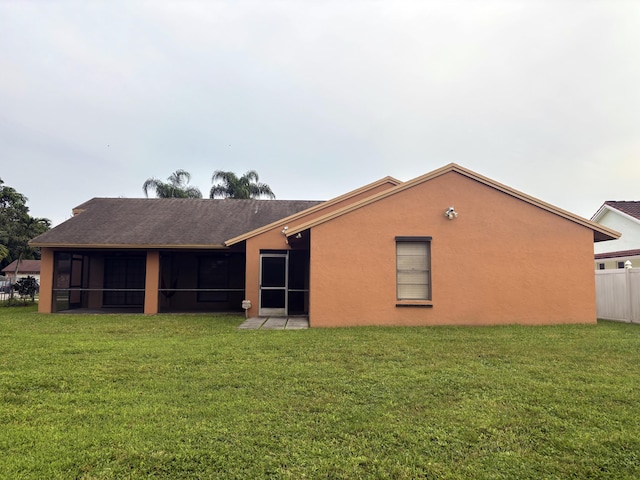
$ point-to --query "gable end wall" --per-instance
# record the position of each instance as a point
(502, 261)
(629, 227)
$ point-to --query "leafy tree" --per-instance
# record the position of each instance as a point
(176, 187)
(17, 227)
(26, 287)
(232, 186)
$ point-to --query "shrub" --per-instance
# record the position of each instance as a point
(26, 287)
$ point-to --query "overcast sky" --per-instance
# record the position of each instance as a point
(319, 96)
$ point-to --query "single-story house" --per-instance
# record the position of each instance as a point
(449, 247)
(623, 216)
(26, 268)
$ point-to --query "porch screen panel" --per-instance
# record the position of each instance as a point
(76, 280)
(62, 278)
(274, 272)
(413, 275)
(213, 274)
(124, 279)
(298, 282)
(272, 298)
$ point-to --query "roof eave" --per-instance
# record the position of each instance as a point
(604, 234)
(618, 254)
(601, 211)
(600, 232)
(110, 246)
(609, 208)
(301, 214)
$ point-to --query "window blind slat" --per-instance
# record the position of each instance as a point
(413, 292)
(412, 248)
(412, 270)
(416, 276)
(415, 262)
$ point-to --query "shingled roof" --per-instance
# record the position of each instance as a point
(26, 267)
(629, 207)
(165, 222)
(621, 253)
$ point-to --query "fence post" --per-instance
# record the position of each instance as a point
(629, 294)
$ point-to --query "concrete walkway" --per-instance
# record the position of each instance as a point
(275, 323)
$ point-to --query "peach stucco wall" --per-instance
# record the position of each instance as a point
(502, 261)
(45, 300)
(274, 240)
(152, 283)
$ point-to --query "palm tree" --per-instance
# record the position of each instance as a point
(175, 188)
(232, 186)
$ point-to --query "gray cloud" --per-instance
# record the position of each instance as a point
(319, 97)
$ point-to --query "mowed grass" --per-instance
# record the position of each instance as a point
(191, 396)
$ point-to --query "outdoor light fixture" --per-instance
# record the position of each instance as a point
(450, 213)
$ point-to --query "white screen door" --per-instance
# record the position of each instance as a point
(273, 283)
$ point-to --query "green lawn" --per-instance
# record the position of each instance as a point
(188, 396)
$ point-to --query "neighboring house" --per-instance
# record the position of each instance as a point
(449, 247)
(623, 216)
(27, 268)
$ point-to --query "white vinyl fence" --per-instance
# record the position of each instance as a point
(618, 294)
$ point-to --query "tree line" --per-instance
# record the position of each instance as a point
(225, 185)
(17, 227)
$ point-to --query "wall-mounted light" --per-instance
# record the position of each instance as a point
(450, 213)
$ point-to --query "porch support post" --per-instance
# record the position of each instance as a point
(45, 299)
(152, 283)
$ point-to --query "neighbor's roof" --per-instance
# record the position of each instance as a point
(600, 232)
(26, 266)
(621, 253)
(630, 208)
(165, 222)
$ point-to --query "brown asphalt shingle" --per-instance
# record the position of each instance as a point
(170, 222)
(26, 266)
(629, 207)
(621, 253)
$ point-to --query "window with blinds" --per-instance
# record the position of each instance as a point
(413, 268)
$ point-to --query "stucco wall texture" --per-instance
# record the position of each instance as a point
(501, 261)
(274, 240)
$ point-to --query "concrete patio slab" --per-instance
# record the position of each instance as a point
(297, 323)
(275, 323)
(253, 323)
